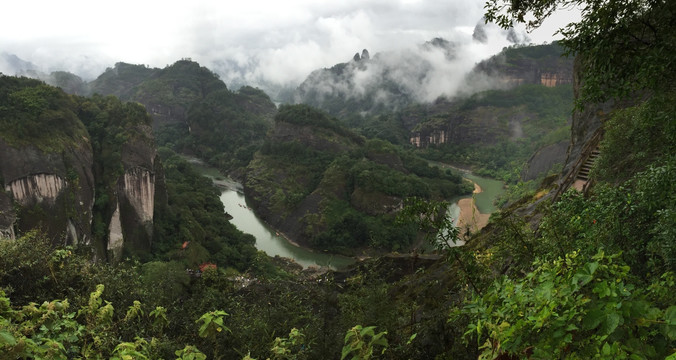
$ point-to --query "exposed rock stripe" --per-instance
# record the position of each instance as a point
(139, 188)
(39, 187)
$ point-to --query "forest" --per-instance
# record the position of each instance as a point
(560, 273)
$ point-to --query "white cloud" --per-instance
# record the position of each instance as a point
(251, 41)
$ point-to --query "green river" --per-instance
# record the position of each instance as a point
(273, 243)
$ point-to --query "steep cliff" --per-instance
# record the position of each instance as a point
(539, 64)
(45, 162)
(74, 167)
(125, 169)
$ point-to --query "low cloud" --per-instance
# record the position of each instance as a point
(262, 43)
(420, 73)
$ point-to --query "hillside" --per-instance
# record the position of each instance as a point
(83, 170)
(495, 132)
(333, 190)
(193, 111)
(524, 108)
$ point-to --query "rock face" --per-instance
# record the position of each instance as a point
(544, 160)
(7, 217)
(585, 136)
(54, 192)
(542, 65)
(64, 186)
(131, 224)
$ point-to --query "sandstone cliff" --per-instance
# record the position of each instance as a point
(53, 191)
(90, 151)
(132, 218)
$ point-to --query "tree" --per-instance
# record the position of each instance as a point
(625, 46)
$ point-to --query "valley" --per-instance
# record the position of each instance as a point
(420, 203)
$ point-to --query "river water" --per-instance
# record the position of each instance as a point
(267, 239)
(490, 190)
(274, 243)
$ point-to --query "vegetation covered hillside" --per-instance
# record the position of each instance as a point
(69, 164)
(496, 132)
(334, 190)
(493, 132)
(193, 111)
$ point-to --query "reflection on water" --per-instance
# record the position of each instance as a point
(270, 241)
(490, 190)
(267, 239)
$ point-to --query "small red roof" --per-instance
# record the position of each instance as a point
(207, 266)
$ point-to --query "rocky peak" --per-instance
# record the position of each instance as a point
(364, 56)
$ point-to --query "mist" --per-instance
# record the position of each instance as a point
(267, 44)
(419, 74)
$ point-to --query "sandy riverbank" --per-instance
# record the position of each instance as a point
(470, 217)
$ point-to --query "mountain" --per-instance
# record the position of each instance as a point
(330, 188)
(533, 64)
(381, 83)
(497, 131)
(515, 103)
(193, 111)
(82, 170)
(14, 65)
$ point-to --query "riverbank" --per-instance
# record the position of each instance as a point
(471, 219)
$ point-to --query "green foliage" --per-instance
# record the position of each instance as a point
(227, 128)
(570, 308)
(517, 52)
(166, 281)
(212, 323)
(305, 115)
(636, 218)
(190, 353)
(195, 214)
(32, 113)
(355, 184)
(432, 220)
(121, 80)
(361, 342)
(291, 348)
(194, 111)
(636, 136)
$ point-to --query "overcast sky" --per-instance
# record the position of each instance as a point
(253, 40)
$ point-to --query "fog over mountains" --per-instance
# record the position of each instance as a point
(266, 44)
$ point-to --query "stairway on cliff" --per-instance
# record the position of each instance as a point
(583, 174)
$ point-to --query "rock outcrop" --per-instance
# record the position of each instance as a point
(541, 64)
(53, 191)
(544, 160)
(7, 217)
(63, 185)
(131, 224)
